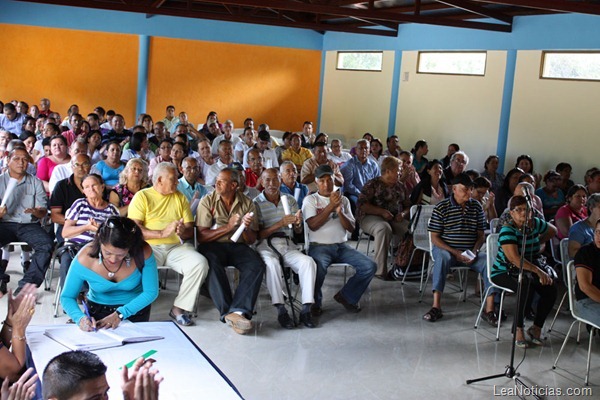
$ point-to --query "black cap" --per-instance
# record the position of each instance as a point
(323, 170)
(463, 179)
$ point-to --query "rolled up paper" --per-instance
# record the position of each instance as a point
(10, 187)
(286, 207)
(238, 232)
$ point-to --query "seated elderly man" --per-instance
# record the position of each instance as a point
(307, 175)
(225, 160)
(275, 242)
(456, 225)
(458, 165)
(163, 214)
(329, 219)
(337, 155)
(220, 214)
(255, 169)
(384, 210)
(358, 171)
(227, 135)
(63, 171)
(189, 185)
(289, 184)
(20, 216)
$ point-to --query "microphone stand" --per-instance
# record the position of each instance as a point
(510, 371)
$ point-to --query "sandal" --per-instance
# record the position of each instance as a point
(535, 340)
(433, 315)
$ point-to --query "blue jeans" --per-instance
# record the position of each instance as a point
(443, 261)
(220, 255)
(36, 237)
(588, 309)
(327, 254)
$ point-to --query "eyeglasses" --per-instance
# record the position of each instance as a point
(82, 165)
(166, 147)
(461, 162)
(191, 168)
(520, 210)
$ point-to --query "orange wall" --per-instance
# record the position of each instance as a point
(69, 66)
(275, 85)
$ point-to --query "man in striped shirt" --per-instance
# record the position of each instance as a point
(456, 227)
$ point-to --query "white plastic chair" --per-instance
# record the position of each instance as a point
(307, 246)
(491, 246)
(571, 281)
(494, 222)
(564, 257)
(421, 239)
(459, 268)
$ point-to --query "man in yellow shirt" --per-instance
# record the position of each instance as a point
(296, 153)
(165, 218)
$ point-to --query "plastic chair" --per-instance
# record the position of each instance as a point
(571, 281)
(494, 223)
(421, 238)
(491, 246)
(307, 246)
(564, 256)
(460, 268)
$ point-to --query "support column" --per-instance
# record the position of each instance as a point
(395, 93)
(507, 94)
(142, 83)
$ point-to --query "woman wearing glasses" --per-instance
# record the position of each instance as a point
(536, 278)
(133, 178)
(120, 270)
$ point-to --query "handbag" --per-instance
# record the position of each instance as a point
(406, 249)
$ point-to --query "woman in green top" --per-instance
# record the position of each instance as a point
(505, 268)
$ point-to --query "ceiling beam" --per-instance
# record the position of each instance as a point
(552, 5)
(377, 14)
(223, 17)
(477, 9)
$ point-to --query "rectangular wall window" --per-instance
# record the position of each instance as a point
(452, 62)
(571, 65)
(360, 60)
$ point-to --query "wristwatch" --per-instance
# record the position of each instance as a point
(121, 317)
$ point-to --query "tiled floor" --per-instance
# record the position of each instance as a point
(385, 352)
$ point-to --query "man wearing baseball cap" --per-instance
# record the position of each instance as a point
(329, 220)
(457, 225)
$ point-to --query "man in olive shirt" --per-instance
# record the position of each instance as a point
(218, 218)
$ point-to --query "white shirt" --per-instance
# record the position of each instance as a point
(215, 144)
(344, 156)
(213, 171)
(60, 172)
(269, 159)
(332, 231)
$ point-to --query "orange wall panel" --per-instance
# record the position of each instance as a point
(69, 67)
(275, 85)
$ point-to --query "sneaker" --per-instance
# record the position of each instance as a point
(490, 318)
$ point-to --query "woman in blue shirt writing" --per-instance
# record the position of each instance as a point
(120, 269)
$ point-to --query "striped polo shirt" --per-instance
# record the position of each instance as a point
(81, 212)
(510, 234)
(268, 214)
(458, 227)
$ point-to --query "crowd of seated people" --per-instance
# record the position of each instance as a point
(160, 181)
